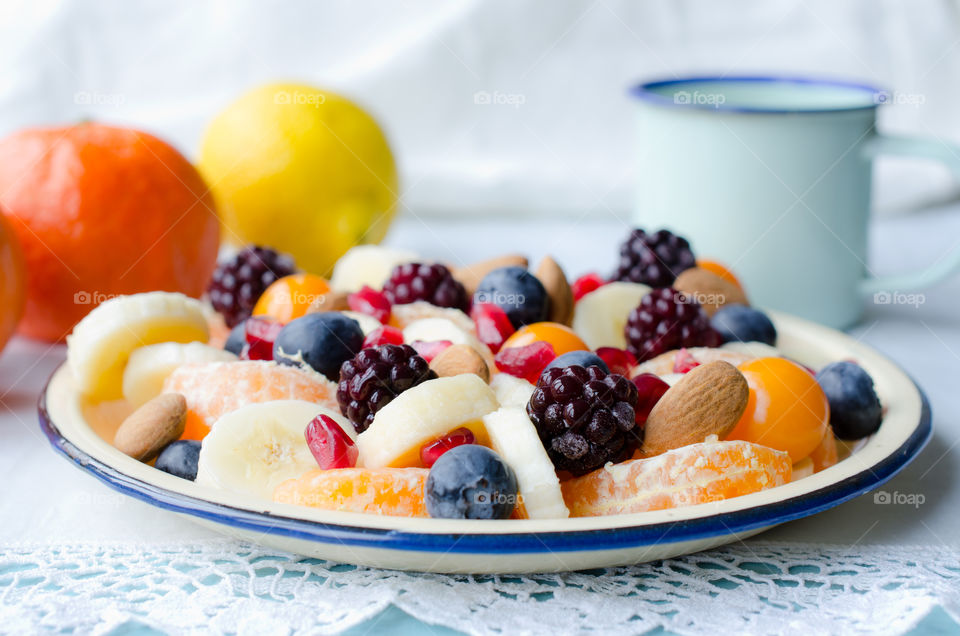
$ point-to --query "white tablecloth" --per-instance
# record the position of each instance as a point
(53, 517)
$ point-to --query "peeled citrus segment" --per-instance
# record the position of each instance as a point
(219, 331)
(801, 469)
(213, 389)
(100, 345)
(396, 492)
(149, 366)
(422, 414)
(826, 454)
(694, 474)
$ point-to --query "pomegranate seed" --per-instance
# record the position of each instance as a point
(370, 302)
(684, 361)
(383, 335)
(618, 360)
(586, 284)
(650, 389)
(330, 446)
(260, 334)
(430, 350)
(492, 325)
(431, 451)
(526, 362)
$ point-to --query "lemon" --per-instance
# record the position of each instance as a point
(302, 170)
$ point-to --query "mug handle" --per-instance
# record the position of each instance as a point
(946, 154)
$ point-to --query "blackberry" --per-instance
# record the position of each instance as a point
(654, 259)
(665, 320)
(237, 283)
(585, 417)
(376, 375)
(434, 283)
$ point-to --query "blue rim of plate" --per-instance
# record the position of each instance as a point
(501, 543)
(646, 91)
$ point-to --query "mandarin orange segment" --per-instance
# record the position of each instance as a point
(563, 338)
(694, 474)
(291, 297)
(219, 331)
(213, 389)
(195, 427)
(826, 454)
(787, 410)
(396, 492)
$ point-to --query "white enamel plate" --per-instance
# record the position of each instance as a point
(514, 546)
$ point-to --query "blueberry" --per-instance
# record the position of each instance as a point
(180, 459)
(737, 323)
(517, 292)
(323, 341)
(471, 482)
(855, 409)
(582, 358)
(237, 339)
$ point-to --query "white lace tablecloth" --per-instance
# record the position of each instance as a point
(74, 555)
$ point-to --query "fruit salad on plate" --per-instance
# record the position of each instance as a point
(402, 386)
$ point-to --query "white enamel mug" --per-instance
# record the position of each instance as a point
(771, 176)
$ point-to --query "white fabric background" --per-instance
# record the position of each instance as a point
(417, 65)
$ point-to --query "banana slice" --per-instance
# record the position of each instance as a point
(515, 438)
(511, 390)
(403, 315)
(736, 353)
(258, 446)
(753, 349)
(422, 414)
(149, 366)
(434, 329)
(367, 265)
(367, 323)
(101, 343)
(600, 316)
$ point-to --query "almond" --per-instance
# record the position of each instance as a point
(708, 289)
(459, 359)
(471, 275)
(558, 290)
(331, 301)
(153, 426)
(708, 400)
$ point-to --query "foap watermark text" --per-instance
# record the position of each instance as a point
(896, 498)
(899, 298)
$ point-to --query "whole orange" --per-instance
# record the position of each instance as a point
(102, 211)
(12, 281)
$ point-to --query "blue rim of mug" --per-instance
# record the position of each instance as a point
(646, 92)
